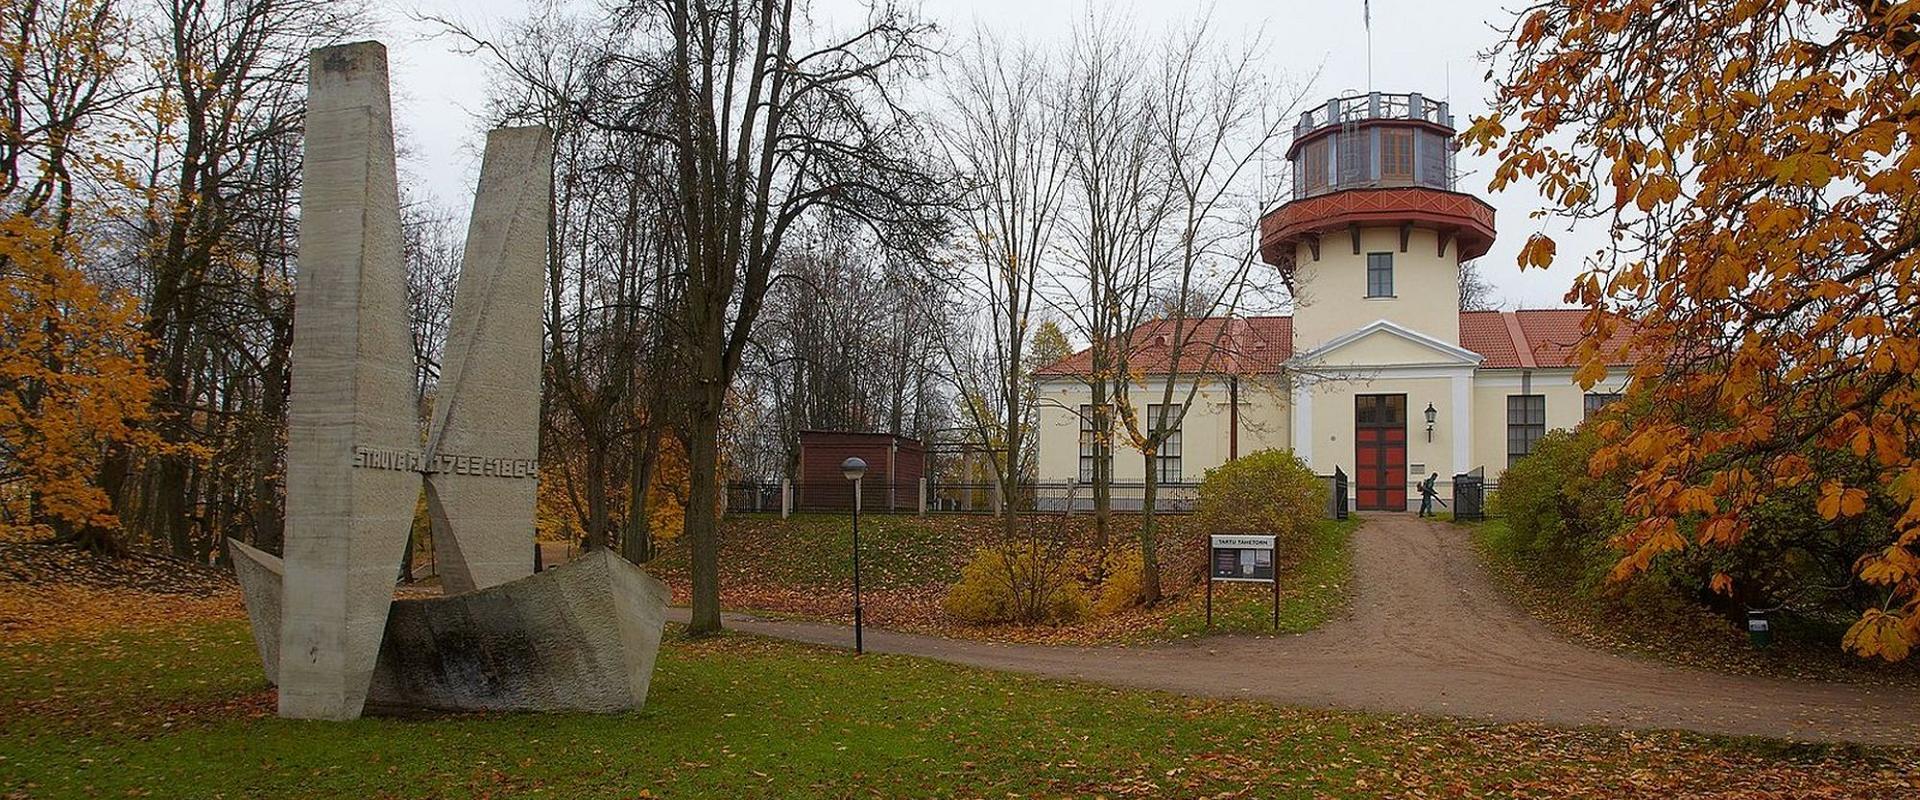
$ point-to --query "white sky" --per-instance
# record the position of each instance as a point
(1428, 46)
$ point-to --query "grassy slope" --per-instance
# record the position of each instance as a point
(802, 566)
(1312, 593)
(1668, 631)
(184, 713)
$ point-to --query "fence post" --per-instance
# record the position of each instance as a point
(922, 508)
(786, 497)
(998, 501)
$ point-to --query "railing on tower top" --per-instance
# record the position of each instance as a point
(1375, 105)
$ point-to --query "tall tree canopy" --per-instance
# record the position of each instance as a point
(1756, 162)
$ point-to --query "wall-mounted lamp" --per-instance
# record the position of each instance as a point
(1432, 414)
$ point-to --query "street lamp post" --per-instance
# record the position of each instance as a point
(854, 469)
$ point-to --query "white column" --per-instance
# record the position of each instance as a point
(1462, 422)
(1302, 415)
(786, 498)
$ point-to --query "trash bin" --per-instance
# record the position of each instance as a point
(1759, 629)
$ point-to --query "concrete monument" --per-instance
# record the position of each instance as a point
(328, 629)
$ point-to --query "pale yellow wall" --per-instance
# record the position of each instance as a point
(1266, 421)
(1332, 291)
(1566, 405)
(1333, 403)
(1205, 432)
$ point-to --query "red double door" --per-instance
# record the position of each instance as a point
(1380, 452)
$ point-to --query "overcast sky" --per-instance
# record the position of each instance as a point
(1428, 46)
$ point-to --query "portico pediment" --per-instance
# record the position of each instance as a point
(1384, 346)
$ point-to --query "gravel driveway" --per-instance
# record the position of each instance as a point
(1428, 633)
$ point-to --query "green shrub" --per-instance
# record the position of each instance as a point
(1271, 491)
(1555, 506)
(1562, 520)
(1015, 583)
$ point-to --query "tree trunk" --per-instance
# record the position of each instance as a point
(1102, 473)
(1149, 555)
(702, 523)
(636, 545)
(597, 512)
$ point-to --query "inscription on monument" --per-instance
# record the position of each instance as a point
(444, 463)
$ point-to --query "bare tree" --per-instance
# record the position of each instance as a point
(1215, 114)
(220, 141)
(1003, 140)
(769, 120)
(1476, 292)
(1119, 203)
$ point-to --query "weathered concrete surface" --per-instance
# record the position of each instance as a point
(489, 391)
(261, 575)
(352, 387)
(579, 637)
(582, 637)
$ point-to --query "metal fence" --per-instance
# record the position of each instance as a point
(939, 497)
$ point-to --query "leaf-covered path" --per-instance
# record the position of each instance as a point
(1428, 633)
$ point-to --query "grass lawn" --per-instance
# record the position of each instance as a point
(1311, 593)
(183, 712)
(1668, 628)
(802, 567)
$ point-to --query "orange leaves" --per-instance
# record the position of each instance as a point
(72, 382)
(1657, 190)
(1766, 187)
(1879, 633)
(1890, 567)
(1838, 501)
(1537, 252)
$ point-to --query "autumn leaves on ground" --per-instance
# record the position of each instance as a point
(155, 691)
(803, 567)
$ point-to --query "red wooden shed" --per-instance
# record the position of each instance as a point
(895, 465)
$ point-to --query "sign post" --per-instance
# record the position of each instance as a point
(1242, 558)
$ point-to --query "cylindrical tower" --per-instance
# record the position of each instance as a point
(1375, 229)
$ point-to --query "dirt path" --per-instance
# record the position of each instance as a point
(1428, 633)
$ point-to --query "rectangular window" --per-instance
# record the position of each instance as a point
(1093, 448)
(1599, 400)
(1526, 423)
(1356, 157)
(1379, 274)
(1396, 155)
(1313, 160)
(1433, 159)
(1380, 410)
(1167, 458)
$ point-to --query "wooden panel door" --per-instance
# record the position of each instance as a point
(1380, 452)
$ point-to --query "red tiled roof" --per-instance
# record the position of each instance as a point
(1247, 346)
(1531, 338)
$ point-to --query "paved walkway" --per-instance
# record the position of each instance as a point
(1429, 634)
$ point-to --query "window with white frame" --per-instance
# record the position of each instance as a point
(1379, 274)
(1526, 423)
(1167, 458)
(1094, 449)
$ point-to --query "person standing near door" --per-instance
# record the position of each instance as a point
(1427, 494)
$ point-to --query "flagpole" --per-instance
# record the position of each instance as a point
(1366, 11)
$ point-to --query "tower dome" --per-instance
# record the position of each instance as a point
(1373, 175)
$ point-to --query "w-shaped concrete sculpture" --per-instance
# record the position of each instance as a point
(330, 633)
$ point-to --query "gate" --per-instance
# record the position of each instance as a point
(1337, 499)
(1470, 495)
